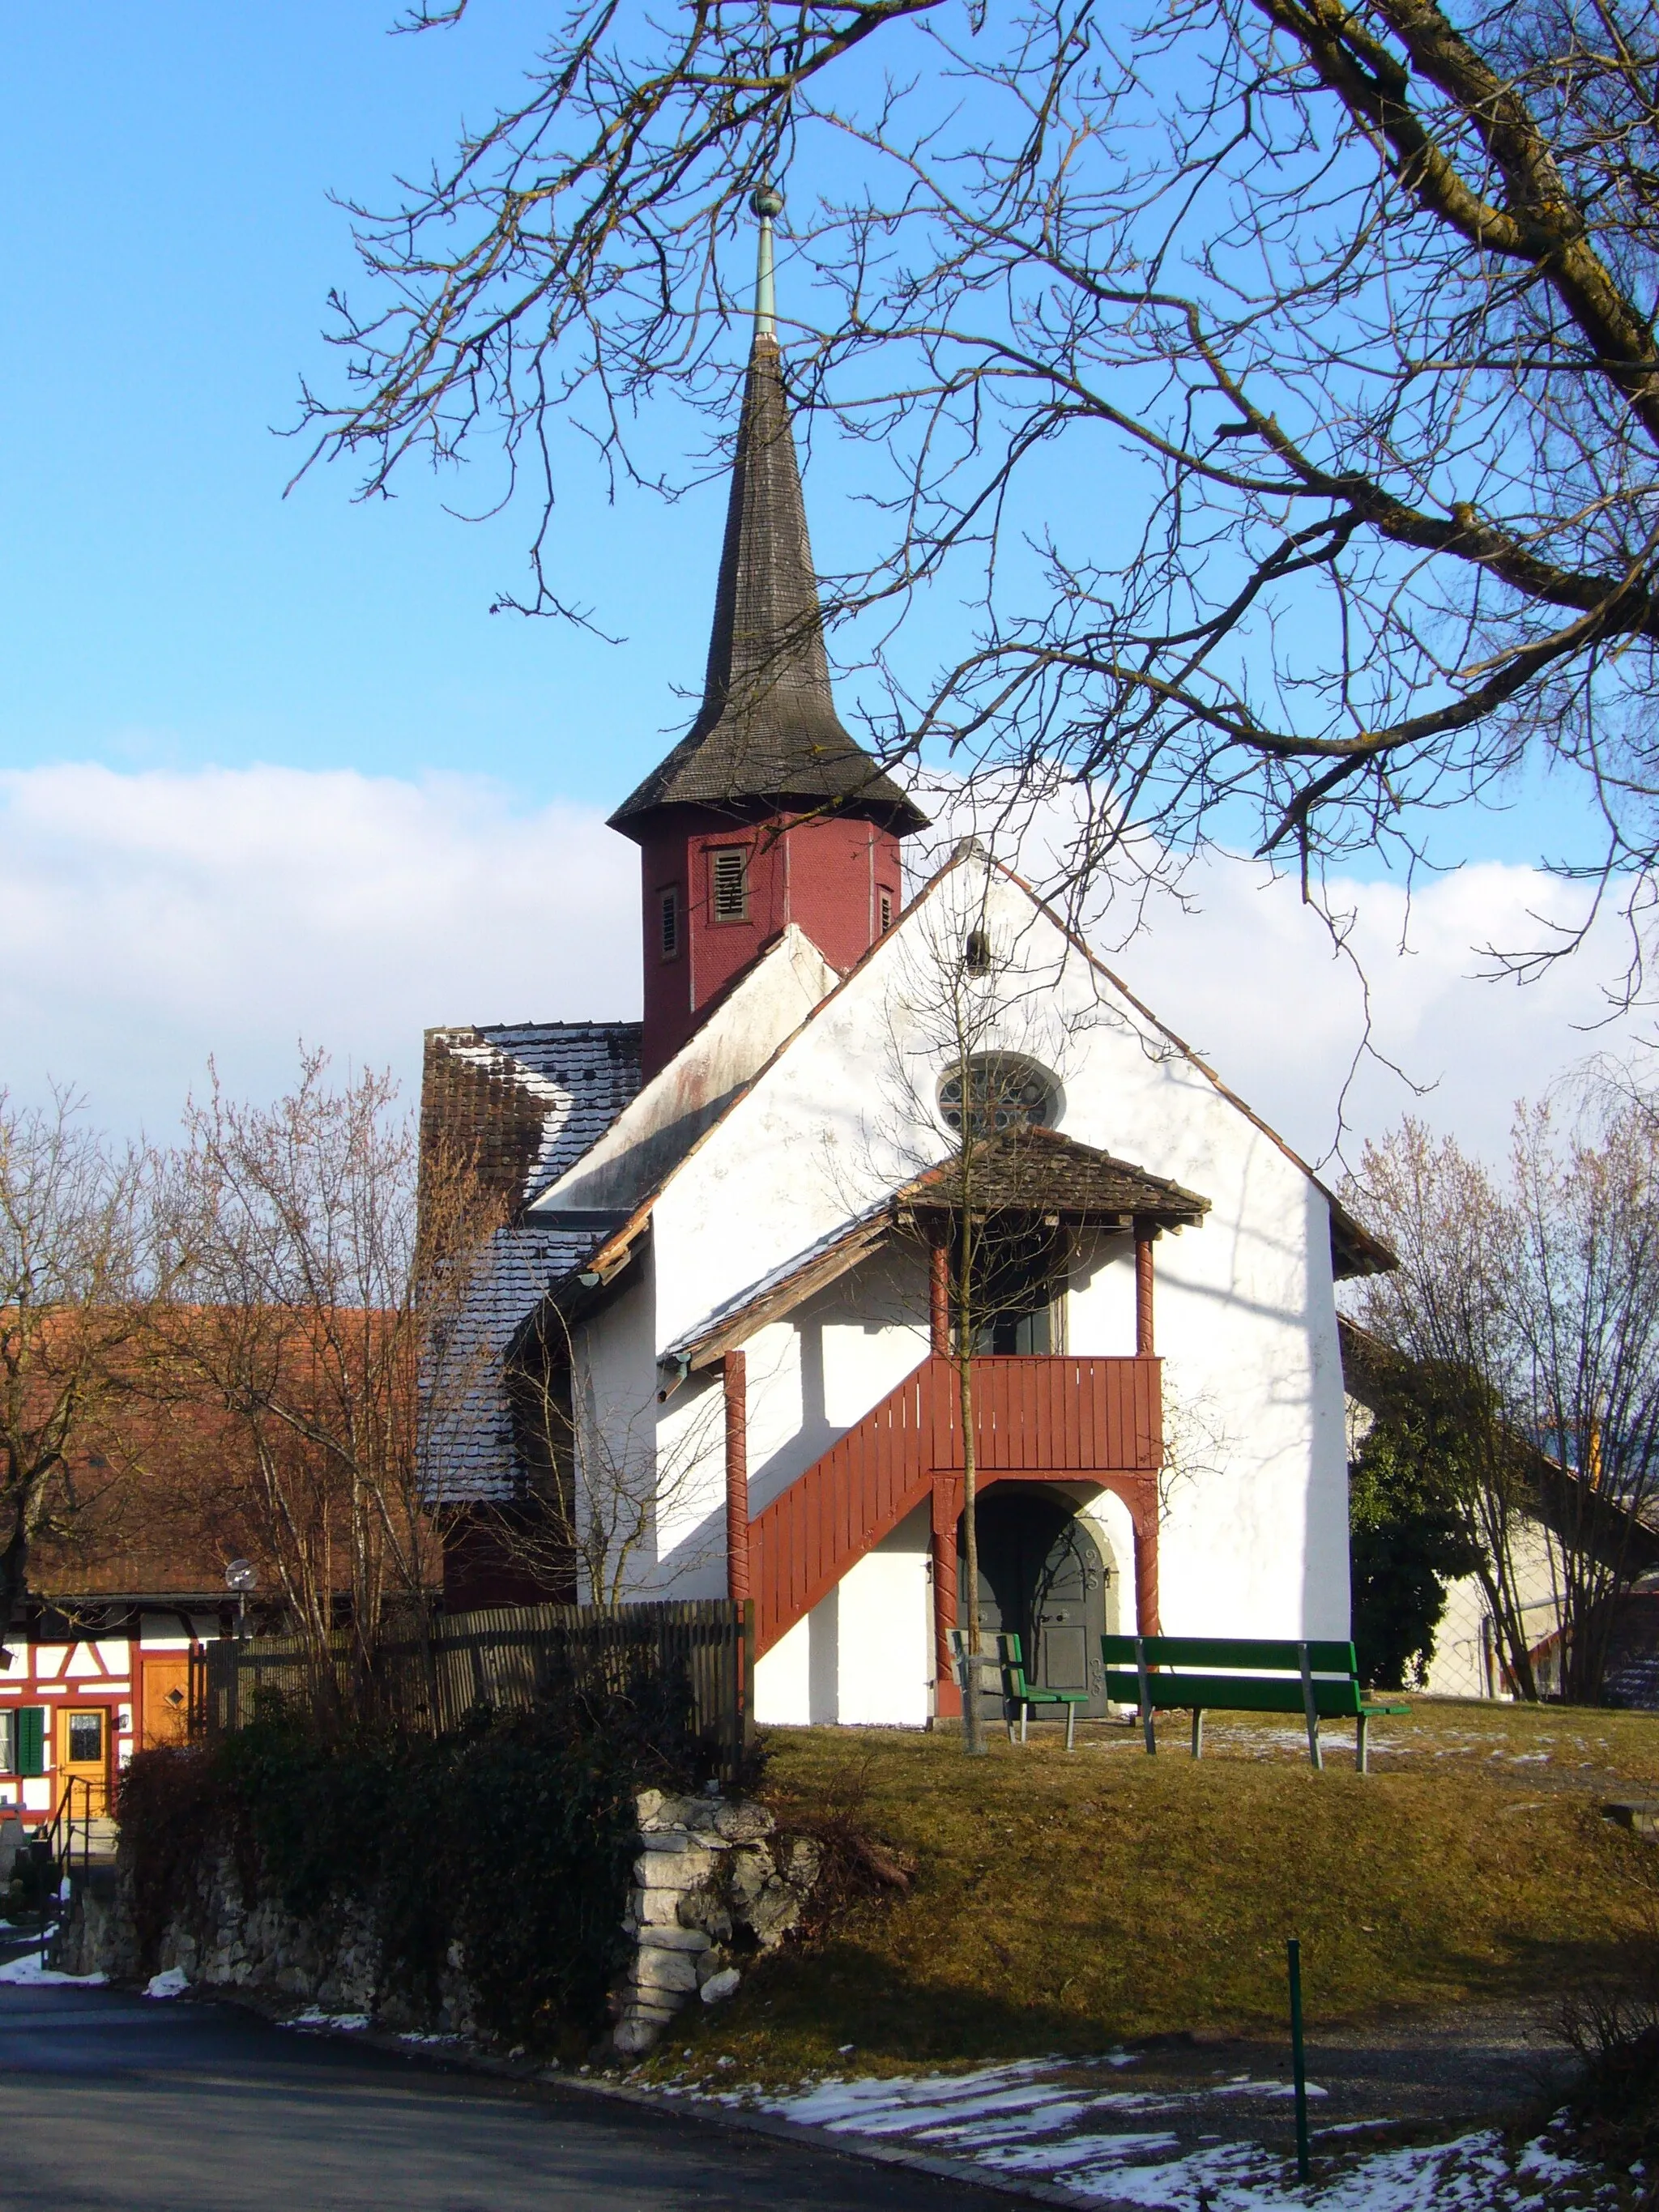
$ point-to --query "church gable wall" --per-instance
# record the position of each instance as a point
(1254, 1540)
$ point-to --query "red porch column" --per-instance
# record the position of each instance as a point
(735, 1381)
(1145, 1524)
(1144, 1234)
(938, 1301)
(947, 1695)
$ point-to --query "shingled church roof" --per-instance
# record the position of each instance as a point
(767, 728)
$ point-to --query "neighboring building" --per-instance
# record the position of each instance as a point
(96, 1663)
(1468, 1654)
(726, 1277)
(1467, 1658)
(92, 1677)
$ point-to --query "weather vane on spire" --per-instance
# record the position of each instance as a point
(766, 202)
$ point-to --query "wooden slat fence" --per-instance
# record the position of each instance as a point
(694, 1659)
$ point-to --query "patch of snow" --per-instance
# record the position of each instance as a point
(1034, 2118)
(1543, 2164)
(349, 2023)
(172, 1984)
(27, 1972)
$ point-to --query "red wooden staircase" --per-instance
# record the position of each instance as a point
(1037, 1417)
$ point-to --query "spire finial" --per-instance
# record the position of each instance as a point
(766, 202)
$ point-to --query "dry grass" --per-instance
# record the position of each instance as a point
(1068, 1904)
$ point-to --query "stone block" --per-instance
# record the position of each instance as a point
(720, 1985)
(663, 1970)
(674, 1939)
(654, 1907)
(751, 1868)
(705, 1909)
(659, 1870)
(743, 1822)
(799, 1863)
(1639, 1814)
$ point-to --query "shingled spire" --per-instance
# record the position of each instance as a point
(767, 728)
(766, 814)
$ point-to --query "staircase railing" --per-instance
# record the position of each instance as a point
(70, 1832)
(1044, 1417)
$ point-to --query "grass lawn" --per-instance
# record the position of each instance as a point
(1066, 1904)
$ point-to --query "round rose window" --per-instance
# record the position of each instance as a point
(1003, 1092)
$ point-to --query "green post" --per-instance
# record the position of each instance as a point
(1298, 2061)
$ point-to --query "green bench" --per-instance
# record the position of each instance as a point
(1240, 1675)
(1018, 1694)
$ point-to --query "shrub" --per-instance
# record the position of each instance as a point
(512, 1836)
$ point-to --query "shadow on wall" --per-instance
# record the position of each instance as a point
(878, 1304)
(1327, 1591)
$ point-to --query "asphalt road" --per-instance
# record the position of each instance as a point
(114, 2102)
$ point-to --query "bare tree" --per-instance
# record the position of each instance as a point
(310, 1286)
(78, 1274)
(1446, 1310)
(1275, 382)
(1529, 1309)
(968, 1011)
(1586, 1197)
(603, 1483)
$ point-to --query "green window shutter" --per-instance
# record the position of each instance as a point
(31, 1738)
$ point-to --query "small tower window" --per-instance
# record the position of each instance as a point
(731, 878)
(976, 952)
(668, 909)
(886, 912)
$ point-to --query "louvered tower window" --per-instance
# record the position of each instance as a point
(730, 870)
(668, 904)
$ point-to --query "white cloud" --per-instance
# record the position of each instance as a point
(1250, 978)
(153, 918)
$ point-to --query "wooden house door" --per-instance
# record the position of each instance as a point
(84, 1755)
(167, 1698)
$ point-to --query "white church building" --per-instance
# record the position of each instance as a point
(855, 1134)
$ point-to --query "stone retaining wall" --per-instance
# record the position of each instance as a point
(713, 1885)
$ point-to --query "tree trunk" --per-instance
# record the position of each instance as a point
(973, 1723)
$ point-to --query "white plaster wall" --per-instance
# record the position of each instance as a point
(862, 1658)
(810, 1378)
(783, 1679)
(656, 1129)
(626, 1435)
(816, 1374)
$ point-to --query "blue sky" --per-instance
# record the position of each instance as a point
(171, 244)
(269, 768)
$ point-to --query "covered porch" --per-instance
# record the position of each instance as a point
(1035, 1419)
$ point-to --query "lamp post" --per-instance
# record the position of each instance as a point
(241, 1577)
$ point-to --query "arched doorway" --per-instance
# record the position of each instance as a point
(1041, 1575)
